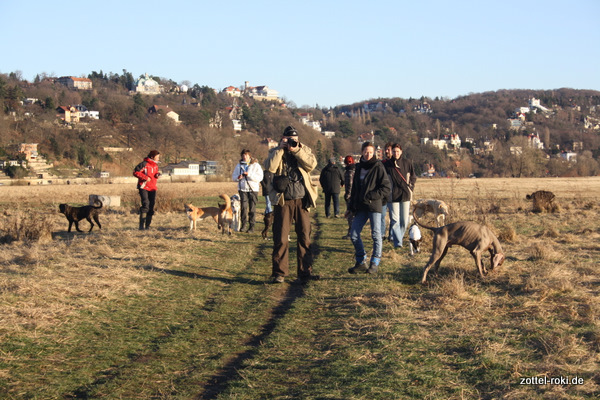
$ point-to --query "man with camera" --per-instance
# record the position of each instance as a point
(292, 194)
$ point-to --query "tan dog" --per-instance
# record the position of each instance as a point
(225, 215)
(470, 235)
(437, 207)
(198, 213)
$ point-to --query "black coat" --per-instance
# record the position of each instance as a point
(331, 179)
(369, 194)
(401, 189)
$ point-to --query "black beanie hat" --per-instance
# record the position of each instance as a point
(290, 131)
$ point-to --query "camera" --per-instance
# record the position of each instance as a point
(292, 142)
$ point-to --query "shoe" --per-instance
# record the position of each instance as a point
(277, 279)
(372, 269)
(346, 237)
(338, 216)
(312, 277)
(358, 267)
(250, 230)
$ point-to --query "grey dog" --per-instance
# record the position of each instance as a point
(472, 236)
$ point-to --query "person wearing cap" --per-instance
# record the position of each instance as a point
(292, 195)
(147, 173)
(348, 178)
(248, 174)
(331, 180)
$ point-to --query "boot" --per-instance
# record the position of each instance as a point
(148, 220)
(143, 221)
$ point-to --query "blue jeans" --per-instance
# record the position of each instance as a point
(336, 203)
(268, 206)
(360, 219)
(398, 221)
(382, 227)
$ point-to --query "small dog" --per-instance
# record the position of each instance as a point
(76, 214)
(470, 235)
(437, 207)
(198, 213)
(268, 222)
(414, 237)
(225, 215)
(235, 208)
(542, 201)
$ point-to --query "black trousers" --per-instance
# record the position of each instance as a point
(148, 201)
(248, 202)
(336, 203)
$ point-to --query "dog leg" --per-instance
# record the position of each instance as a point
(97, 221)
(477, 257)
(91, 223)
(77, 226)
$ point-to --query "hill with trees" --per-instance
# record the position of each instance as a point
(500, 133)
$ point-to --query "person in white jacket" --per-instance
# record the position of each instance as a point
(248, 174)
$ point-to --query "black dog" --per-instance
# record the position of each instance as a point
(76, 214)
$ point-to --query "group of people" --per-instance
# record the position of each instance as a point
(372, 188)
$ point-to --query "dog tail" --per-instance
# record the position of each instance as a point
(432, 228)
(227, 200)
(98, 201)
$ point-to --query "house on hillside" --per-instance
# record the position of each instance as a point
(263, 93)
(68, 114)
(448, 141)
(85, 113)
(374, 106)
(366, 137)
(233, 91)
(165, 110)
(147, 85)
(75, 83)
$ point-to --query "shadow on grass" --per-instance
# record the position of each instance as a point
(219, 382)
(193, 275)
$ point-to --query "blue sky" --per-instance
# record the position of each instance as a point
(314, 52)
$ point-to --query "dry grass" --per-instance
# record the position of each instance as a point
(538, 314)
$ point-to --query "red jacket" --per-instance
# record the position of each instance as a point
(144, 170)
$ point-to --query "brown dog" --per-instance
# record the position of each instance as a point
(470, 235)
(198, 213)
(543, 200)
(268, 222)
(225, 215)
(76, 214)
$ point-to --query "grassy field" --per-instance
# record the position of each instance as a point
(169, 314)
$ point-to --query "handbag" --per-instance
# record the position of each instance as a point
(280, 183)
(405, 181)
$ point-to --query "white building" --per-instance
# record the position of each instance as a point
(184, 168)
(147, 85)
(449, 141)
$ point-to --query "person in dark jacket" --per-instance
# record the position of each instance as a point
(331, 180)
(348, 178)
(370, 188)
(386, 234)
(402, 175)
(147, 174)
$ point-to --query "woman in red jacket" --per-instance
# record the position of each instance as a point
(147, 174)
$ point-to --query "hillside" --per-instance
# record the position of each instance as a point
(483, 134)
